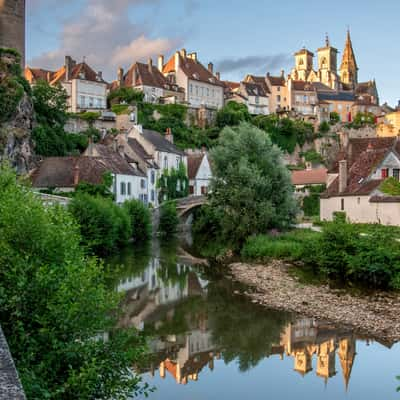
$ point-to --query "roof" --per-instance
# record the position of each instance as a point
(193, 69)
(253, 89)
(231, 85)
(194, 162)
(59, 171)
(336, 96)
(304, 51)
(310, 177)
(160, 143)
(38, 74)
(303, 86)
(359, 171)
(79, 71)
(259, 80)
(140, 151)
(276, 80)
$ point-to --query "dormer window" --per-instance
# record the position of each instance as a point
(81, 75)
(196, 76)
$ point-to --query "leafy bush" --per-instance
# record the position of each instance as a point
(232, 114)
(324, 127)
(55, 305)
(311, 203)
(168, 218)
(390, 186)
(103, 225)
(173, 184)
(126, 95)
(334, 117)
(120, 109)
(140, 218)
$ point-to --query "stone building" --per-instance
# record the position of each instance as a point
(12, 26)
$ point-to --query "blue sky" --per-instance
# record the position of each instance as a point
(239, 37)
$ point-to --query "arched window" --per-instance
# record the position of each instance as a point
(324, 63)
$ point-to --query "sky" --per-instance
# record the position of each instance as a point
(238, 36)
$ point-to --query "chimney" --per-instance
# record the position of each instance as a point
(100, 75)
(211, 68)
(169, 136)
(120, 76)
(76, 175)
(218, 75)
(177, 61)
(193, 56)
(342, 175)
(160, 63)
(68, 67)
(150, 64)
(183, 53)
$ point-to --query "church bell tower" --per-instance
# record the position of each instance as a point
(349, 68)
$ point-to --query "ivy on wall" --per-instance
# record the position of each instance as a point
(173, 184)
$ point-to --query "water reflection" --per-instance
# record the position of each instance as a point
(196, 323)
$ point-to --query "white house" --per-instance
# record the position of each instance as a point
(201, 86)
(356, 187)
(86, 89)
(148, 79)
(199, 172)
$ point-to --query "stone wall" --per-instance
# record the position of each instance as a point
(12, 25)
(10, 385)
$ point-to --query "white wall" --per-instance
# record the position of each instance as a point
(200, 93)
(136, 190)
(358, 209)
(94, 94)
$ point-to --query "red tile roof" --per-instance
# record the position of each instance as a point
(310, 177)
(303, 86)
(194, 162)
(276, 80)
(79, 71)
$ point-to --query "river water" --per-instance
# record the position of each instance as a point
(206, 342)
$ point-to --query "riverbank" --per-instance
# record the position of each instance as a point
(273, 286)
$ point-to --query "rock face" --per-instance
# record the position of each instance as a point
(15, 138)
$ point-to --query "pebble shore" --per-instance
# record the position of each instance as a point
(273, 286)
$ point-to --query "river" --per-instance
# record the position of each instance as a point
(208, 342)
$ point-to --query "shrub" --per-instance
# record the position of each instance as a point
(140, 218)
(324, 127)
(334, 117)
(54, 302)
(168, 218)
(103, 225)
(390, 186)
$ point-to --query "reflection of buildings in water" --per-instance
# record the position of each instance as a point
(306, 338)
(156, 287)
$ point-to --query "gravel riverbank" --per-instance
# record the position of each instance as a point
(273, 286)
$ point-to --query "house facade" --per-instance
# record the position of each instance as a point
(199, 173)
(279, 96)
(86, 89)
(356, 185)
(201, 87)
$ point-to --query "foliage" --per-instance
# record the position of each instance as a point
(125, 95)
(290, 245)
(173, 184)
(89, 116)
(311, 203)
(168, 218)
(102, 189)
(324, 127)
(55, 306)
(390, 186)
(362, 119)
(104, 225)
(140, 218)
(251, 188)
(334, 118)
(312, 156)
(232, 114)
(120, 109)
(12, 85)
(285, 132)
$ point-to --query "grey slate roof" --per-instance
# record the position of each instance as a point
(160, 143)
(336, 96)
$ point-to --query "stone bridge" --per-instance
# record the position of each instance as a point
(186, 205)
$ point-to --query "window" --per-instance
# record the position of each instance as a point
(396, 173)
(342, 204)
(278, 98)
(191, 189)
(278, 88)
(358, 200)
(153, 196)
(178, 160)
(143, 183)
(165, 162)
(83, 101)
(197, 90)
(208, 92)
(191, 88)
(153, 177)
(91, 102)
(123, 188)
(384, 172)
(339, 107)
(129, 188)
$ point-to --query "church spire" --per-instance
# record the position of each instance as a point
(349, 68)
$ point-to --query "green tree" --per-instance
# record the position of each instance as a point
(251, 187)
(126, 95)
(140, 217)
(232, 114)
(103, 189)
(334, 117)
(168, 219)
(55, 309)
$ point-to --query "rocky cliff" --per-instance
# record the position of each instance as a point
(16, 115)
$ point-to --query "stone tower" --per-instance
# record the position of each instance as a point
(327, 64)
(348, 68)
(12, 26)
(304, 64)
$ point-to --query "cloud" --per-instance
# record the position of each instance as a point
(104, 34)
(254, 64)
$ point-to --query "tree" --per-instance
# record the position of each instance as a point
(125, 95)
(251, 186)
(168, 218)
(56, 311)
(140, 217)
(232, 114)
